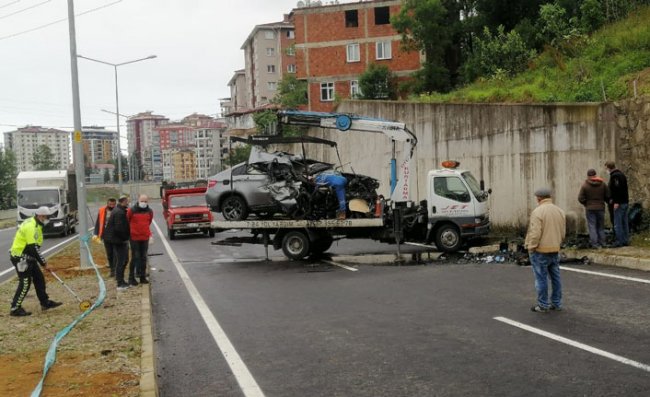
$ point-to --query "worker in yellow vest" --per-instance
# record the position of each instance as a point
(25, 254)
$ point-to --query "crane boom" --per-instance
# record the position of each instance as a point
(396, 131)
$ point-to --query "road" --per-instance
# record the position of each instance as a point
(229, 324)
(51, 244)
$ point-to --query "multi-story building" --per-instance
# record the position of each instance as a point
(100, 145)
(179, 165)
(24, 142)
(336, 43)
(238, 93)
(144, 144)
(268, 54)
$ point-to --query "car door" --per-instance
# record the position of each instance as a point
(248, 182)
(451, 199)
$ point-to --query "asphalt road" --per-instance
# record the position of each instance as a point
(51, 244)
(229, 324)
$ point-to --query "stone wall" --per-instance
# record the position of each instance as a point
(633, 146)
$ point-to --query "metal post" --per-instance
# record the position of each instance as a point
(119, 138)
(77, 144)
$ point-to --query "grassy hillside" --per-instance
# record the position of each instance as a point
(600, 67)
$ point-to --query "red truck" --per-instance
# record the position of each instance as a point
(186, 211)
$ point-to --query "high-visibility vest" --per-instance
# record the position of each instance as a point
(102, 221)
(29, 232)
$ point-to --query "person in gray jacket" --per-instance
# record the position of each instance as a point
(593, 195)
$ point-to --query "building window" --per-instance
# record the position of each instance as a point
(353, 52)
(326, 92)
(291, 68)
(291, 34)
(352, 19)
(270, 68)
(355, 91)
(270, 52)
(272, 85)
(384, 50)
(269, 34)
(291, 50)
(382, 16)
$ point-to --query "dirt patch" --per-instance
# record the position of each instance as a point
(99, 357)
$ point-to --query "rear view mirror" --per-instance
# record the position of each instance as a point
(482, 185)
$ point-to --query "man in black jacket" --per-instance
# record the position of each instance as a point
(118, 233)
(619, 199)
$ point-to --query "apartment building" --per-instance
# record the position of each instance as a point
(268, 54)
(144, 143)
(25, 141)
(100, 145)
(334, 44)
(179, 165)
(238, 93)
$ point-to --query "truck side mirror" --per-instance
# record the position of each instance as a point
(482, 185)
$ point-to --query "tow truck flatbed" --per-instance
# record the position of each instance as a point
(296, 224)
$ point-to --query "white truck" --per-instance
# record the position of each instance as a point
(456, 208)
(55, 190)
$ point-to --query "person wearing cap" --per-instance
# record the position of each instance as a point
(619, 200)
(100, 225)
(593, 195)
(117, 232)
(546, 231)
(25, 254)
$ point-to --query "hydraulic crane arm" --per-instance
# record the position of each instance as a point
(396, 131)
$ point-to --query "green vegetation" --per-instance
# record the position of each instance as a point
(8, 174)
(101, 194)
(378, 82)
(43, 159)
(579, 68)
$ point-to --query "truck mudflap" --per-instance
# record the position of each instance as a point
(293, 224)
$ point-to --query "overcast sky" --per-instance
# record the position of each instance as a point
(197, 43)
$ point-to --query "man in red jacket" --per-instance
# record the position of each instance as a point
(140, 217)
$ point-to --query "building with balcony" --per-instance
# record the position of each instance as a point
(25, 141)
(144, 142)
(100, 145)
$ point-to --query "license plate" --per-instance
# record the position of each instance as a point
(192, 225)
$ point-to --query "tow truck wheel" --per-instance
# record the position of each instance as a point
(322, 244)
(234, 208)
(295, 245)
(448, 238)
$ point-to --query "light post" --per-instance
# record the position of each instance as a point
(117, 109)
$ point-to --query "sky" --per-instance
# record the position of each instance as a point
(197, 44)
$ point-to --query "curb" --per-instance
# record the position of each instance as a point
(148, 386)
(606, 259)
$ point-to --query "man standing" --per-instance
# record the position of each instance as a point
(619, 199)
(100, 226)
(546, 232)
(140, 217)
(593, 195)
(117, 233)
(25, 253)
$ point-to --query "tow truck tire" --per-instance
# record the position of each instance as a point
(234, 208)
(171, 233)
(322, 244)
(448, 238)
(296, 245)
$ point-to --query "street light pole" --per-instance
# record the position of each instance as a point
(117, 106)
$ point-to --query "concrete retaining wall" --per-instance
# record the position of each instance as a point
(513, 148)
(7, 214)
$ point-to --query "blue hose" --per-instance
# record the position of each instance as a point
(50, 357)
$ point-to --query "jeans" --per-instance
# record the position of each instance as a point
(545, 265)
(138, 265)
(109, 256)
(31, 272)
(596, 224)
(121, 257)
(621, 225)
(338, 182)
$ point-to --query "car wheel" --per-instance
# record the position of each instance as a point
(234, 208)
(296, 245)
(448, 238)
(171, 233)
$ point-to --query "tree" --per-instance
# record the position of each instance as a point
(43, 159)
(238, 155)
(378, 82)
(266, 121)
(107, 175)
(292, 93)
(8, 175)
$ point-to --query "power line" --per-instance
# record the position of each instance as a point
(58, 21)
(10, 3)
(25, 9)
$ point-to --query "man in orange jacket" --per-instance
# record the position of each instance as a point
(100, 226)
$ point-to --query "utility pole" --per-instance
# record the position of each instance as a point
(77, 142)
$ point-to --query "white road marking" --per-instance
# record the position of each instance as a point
(352, 269)
(575, 344)
(8, 229)
(247, 383)
(638, 280)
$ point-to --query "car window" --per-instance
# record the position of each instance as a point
(452, 188)
(239, 170)
(187, 201)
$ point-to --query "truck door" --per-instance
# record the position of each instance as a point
(450, 199)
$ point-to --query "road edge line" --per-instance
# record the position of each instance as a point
(148, 385)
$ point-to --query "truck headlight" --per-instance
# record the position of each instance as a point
(57, 224)
(177, 218)
(206, 216)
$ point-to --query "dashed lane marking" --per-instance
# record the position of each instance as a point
(247, 383)
(575, 344)
(352, 269)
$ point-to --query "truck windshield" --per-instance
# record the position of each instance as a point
(33, 199)
(187, 201)
(474, 186)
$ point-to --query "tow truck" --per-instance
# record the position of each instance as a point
(456, 208)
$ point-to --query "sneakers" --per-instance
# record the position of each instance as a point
(50, 305)
(556, 308)
(539, 309)
(122, 286)
(20, 312)
(133, 283)
(144, 280)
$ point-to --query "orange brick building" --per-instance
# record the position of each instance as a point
(336, 43)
